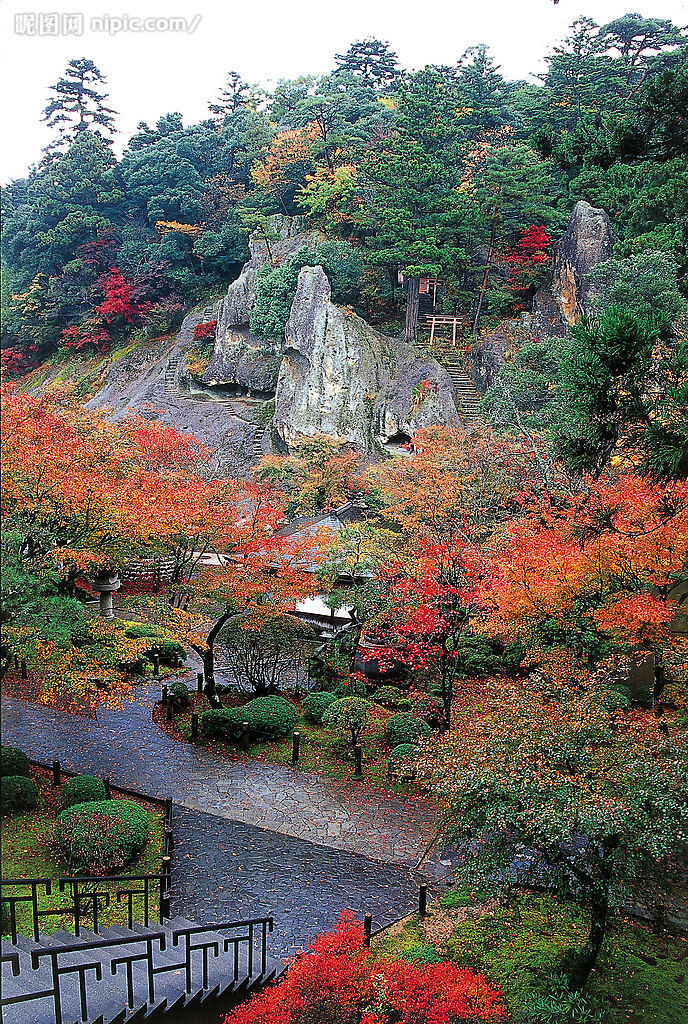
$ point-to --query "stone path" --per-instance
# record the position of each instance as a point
(249, 872)
(125, 745)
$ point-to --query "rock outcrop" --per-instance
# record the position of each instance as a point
(340, 377)
(588, 240)
(239, 357)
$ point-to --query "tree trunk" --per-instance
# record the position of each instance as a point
(598, 925)
(209, 676)
(486, 275)
(412, 293)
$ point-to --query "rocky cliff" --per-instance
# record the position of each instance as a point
(340, 377)
(587, 241)
(239, 357)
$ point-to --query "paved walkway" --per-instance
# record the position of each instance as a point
(225, 870)
(125, 745)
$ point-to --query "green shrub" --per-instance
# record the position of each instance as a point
(82, 789)
(222, 724)
(430, 709)
(269, 717)
(560, 1005)
(391, 697)
(462, 896)
(404, 750)
(179, 694)
(78, 829)
(161, 643)
(405, 728)
(348, 715)
(421, 953)
(17, 793)
(14, 762)
(315, 704)
(351, 688)
(402, 761)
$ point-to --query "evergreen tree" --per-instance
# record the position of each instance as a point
(234, 95)
(623, 394)
(372, 59)
(422, 221)
(77, 106)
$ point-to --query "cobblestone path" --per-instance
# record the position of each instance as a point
(126, 745)
(245, 871)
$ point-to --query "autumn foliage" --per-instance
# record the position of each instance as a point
(529, 258)
(341, 982)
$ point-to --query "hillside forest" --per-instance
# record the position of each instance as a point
(523, 569)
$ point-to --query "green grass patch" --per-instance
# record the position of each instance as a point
(641, 977)
(27, 853)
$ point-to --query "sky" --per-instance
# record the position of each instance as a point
(152, 69)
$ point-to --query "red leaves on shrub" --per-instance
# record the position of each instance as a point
(340, 982)
(202, 332)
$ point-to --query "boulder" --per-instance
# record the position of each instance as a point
(588, 240)
(240, 358)
(342, 378)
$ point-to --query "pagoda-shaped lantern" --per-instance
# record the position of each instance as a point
(106, 583)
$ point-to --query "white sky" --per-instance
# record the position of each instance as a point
(151, 73)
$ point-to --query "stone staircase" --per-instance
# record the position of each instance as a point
(467, 395)
(258, 442)
(171, 383)
(135, 974)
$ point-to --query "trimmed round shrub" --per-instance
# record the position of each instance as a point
(101, 834)
(222, 724)
(17, 793)
(391, 697)
(315, 704)
(348, 715)
(429, 709)
(81, 789)
(404, 750)
(351, 688)
(402, 761)
(269, 717)
(180, 695)
(421, 953)
(14, 762)
(406, 728)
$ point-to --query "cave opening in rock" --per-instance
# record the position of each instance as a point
(400, 442)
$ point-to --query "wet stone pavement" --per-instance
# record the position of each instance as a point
(245, 872)
(252, 839)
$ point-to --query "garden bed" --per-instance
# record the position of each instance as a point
(27, 853)
(320, 749)
(641, 976)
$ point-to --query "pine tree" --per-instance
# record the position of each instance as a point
(77, 106)
(235, 93)
(372, 60)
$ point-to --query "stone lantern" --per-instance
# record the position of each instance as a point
(106, 582)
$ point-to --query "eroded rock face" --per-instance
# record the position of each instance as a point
(588, 240)
(340, 377)
(239, 357)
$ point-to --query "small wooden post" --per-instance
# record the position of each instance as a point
(422, 900)
(244, 735)
(358, 754)
(199, 681)
(108, 794)
(24, 673)
(194, 726)
(156, 665)
(16, 661)
(164, 697)
(367, 929)
(168, 807)
(57, 774)
(168, 841)
(295, 744)
(170, 710)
